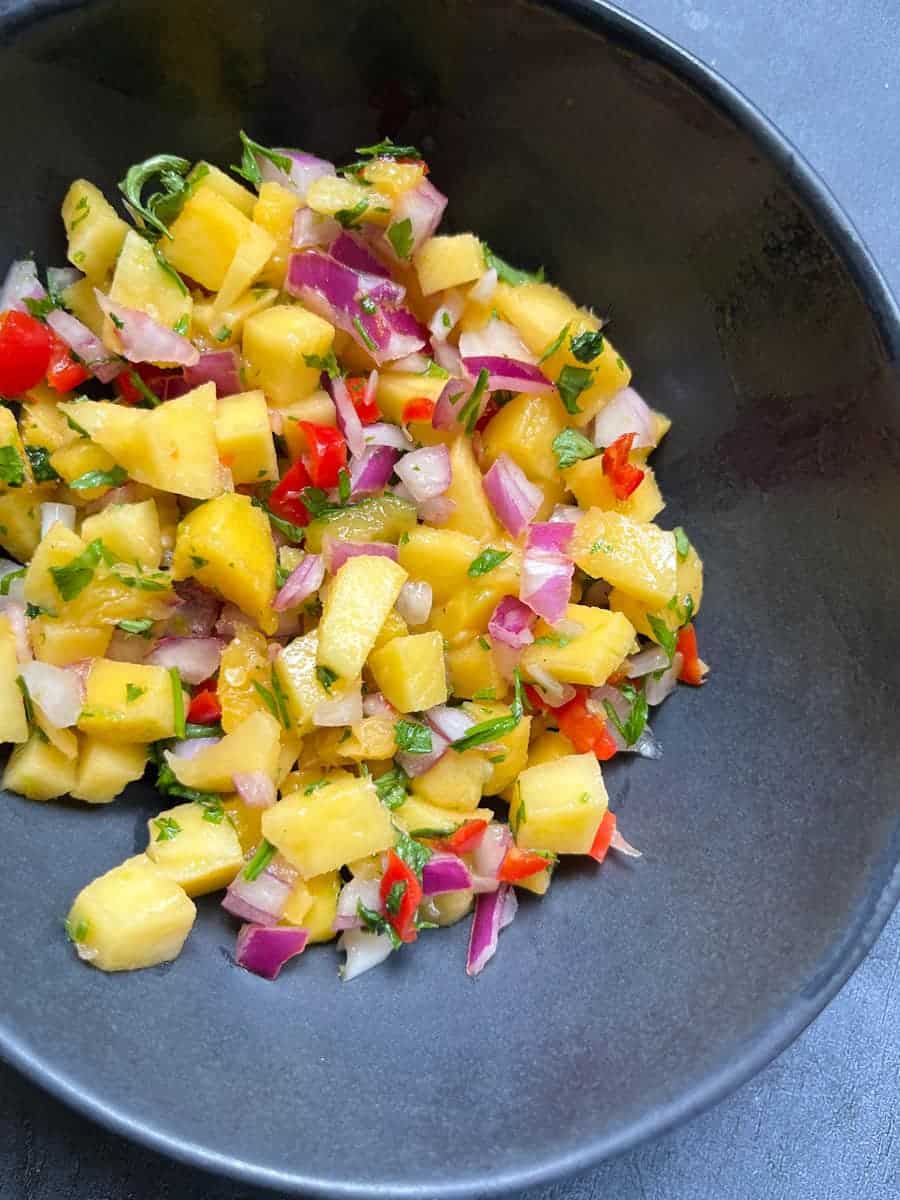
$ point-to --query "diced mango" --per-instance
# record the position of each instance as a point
(133, 916)
(319, 914)
(79, 458)
(296, 670)
(639, 559)
(456, 781)
(81, 301)
(105, 768)
(673, 614)
(205, 236)
(330, 826)
(317, 407)
(396, 389)
(410, 671)
(246, 822)
(141, 281)
(590, 657)
(447, 261)
(509, 753)
(592, 489)
(391, 177)
(298, 904)
(274, 211)
(205, 175)
(94, 230)
(13, 723)
(39, 771)
(128, 701)
(253, 746)
(245, 438)
(129, 531)
(244, 661)
(360, 597)
(20, 522)
(416, 816)
(277, 343)
(330, 195)
(225, 325)
(472, 514)
(440, 556)
(609, 372)
(539, 311)
(378, 519)
(250, 257)
(394, 626)
(200, 855)
(473, 671)
(558, 806)
(524, 429)
(40, 421)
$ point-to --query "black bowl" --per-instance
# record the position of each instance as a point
(634, 995)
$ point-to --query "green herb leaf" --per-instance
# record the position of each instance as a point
(571, 446)
(168, 828)
(394, 898)
(115, 477)
(471, 410)
(314, 787)
(374, 922)
(663, 634)
(487, 560)
(555, 344)
(485, 694)
(327, 363)
(283, 714)
(682, 545)
(343, 485)
(150, 398)
(587, 346)
(521, 815)
(12, 468)
(349, 218)
(141, 627)
(391, 787)
(193, 731)
(177, 701)
(553, 639)
(294, 533)
(260, 860)
(223, 334)
(182, 325)
(484, 643)
(413, 737)
(72, 578)
(571, 383)
(249, 168)
(388, 149)
(167, 269)
(40, 308)
(364, 336)
(133, 692)
(485, 731)
(78, 933)
(8, 578)
(41, 467)
(197, 562)
(517, 708)
(162, 206)
(509, 274)
(400, 235)
(326, 677)
(413, 853)
(633, 726)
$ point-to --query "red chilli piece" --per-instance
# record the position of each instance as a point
(403, 920)
(624, 477)
(603, 837)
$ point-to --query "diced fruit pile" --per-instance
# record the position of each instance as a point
(341, 528)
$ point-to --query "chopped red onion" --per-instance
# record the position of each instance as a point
(482, 292)
(375, 705)
(619, 843)
(489, 907)
(509, 374)
(447, 314)
(423, 206)
(337, 552)
(511, 623)
(145, 340)
(304, 170)
(451, 723)
(510, 908)
(445, 873)
(414, 602)
(514, 498)
(546, 584)
(305, 579)
(60, 278)
(405, 334)
(255, 788)
(260, 900)
(264, 950)
(347, 417)
(491, 850)
(51, 513)
(656, 690)
(93, 354)
(354, 254)
(625, 413)
(21, 284)
(364, 950)
(219, 367)
(450, 403)
(651, 658)
(15, 614)
(364, 891)
(496, 340)
(371, 470)
(57, 691)
(550, 536)
(343, 710)
(310, 230)
(418, 764)
(197, 611)
(426, 472)
(448, 357)
(191, 747)
(196, 659)
(555, 694)
(413, 364)
(567, 513)
(437, 511)
(381, 433)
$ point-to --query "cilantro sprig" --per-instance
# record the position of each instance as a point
(162, 206)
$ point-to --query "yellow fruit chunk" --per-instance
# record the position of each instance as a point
(244, 660)
(133, 916)
(94, 230)
(250, 257)
(322, 829)
(20, 522)
(40, 421)
(524, 429)
(253, 746)
(129, 531)
(377, 519)
(559, 805)
(592, 489)
(62, 644)
(274, 212)
(440, 556)
(246, 822)
(106, 768)
(205, 236)
(683, 605)
(295, 667)
(360, 597)
(245, 437)
(317, 407)
(277, 343)
(588, 658)
(608, 372)
(455, 781)
(16, 469)
(472, 514)
(392, 177)
(227, 546)
(396, 389)
(320, 912)
(416, 816)
(200, 855)
(639, 559)
(38, 770)
(128, 701)
(13, 723)
(224, 325)
(81, 301)
(509, 753)
(141, 281)
(332, 194)
(473, 671)
(394, 626)
(79, 458)
(447, 261)
(205, 175)
(410, 671)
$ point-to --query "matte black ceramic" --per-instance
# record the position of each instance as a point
(635, 994)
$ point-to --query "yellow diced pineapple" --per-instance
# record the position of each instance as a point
(524, 429)
(377, 519)
(105, 768)
(447, 261)
(250, 257)
(317, 407)
(473, 671)
(39, 771)
(205, 175)
(245, 438)
(61, 644)
(391, 177)
(509, 753)
(592, 489)
(253, 746)
(20, 522)
(200, 855)
(296, 670)
(609, 372)
(40, 421)
(440, 556)
(227, 545)
(683, 605)
(274, 211)
(94, 230)
(225, 326)
(472, 514)
(396, 389)
(317, 901)
(128, 701)
(421, 819)
(245, 660)
(394, 626)
(277, 343)
(639, 559)
(411, 672)
(13, 722)
(456, 781)
(360, 597)
(129, 531)
(558, 806)
(539, 311)
(133, 916)
(330, 826)
(141, 281)
(81, 301)
(80, 458)
(589, 658)
(330, 195)
(205, 236)
(56, 549)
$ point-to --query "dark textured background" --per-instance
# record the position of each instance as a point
(821, 1122)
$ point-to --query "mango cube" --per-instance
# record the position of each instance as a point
(253, 746)
(441, 556)
(455, 781)
(418, 817)
(524, 429)
(638, 558)
(558, 806)
(295, 667)
(105, 768)
(244, 436)
(592, 489)
(410, 671)
(688, 597)
(129, 531)
(312, 904)
(13, 724)
(590, 657)
(473, 671)
(94, 229)
(361, 595)
(39, 771)
(277, 343)
(142, 282)
(205, 237)
(200, 855)
(447, 261)
(472, 514)
(128, 701)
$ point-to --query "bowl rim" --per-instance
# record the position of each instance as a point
(864, 923)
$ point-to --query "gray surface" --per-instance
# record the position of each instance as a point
(821, 1122)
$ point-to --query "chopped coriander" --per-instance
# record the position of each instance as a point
(485, 731)
(471, 410)
(394, 898)
(167, 827)
(79, 932)
(73, 424)
(40, 308)
(600, 547)
(497, 758)
(282, 575)
(517, 707)
(154, 581)
(223, 334)
(509, 274)
(327, 363)
(682, 545)
(484, 643)
(374, 922)
(620, 362)
(193, 731)
(274, 700)
(571, 383)
(413, 737)
(368, 305)
(364, 336)
(485, 694)
(413, 853)
(133, 692)
(571, 446)
(112, 478)
(584, 798)
(177, 701)
(26, 699)
(521, 815)
(260, 860)
(42, 469)
(349, 218)
(167, 269)
(391, 787)
(35, 610)
(163, 206)
(8, 578)
(435, 370)
(343, 485)
(446, 320)
(387, 149)
(663, 634)
(83, 209)
(182, 325)
(12, 468)
(404, 538)
(486, 561)
(326, 677)
(400, 235)
(150, 398)
(555, 344)
(553, 639)
(249, 167)
(587, 346)
(72, 578)
(314, 787)
(294, 533)
(141, 627)
(167, 782)
(212, 809)
(633, 726)
(197, 562)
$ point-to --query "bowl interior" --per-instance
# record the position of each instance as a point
(631, 994)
